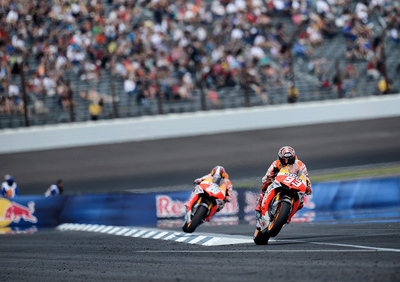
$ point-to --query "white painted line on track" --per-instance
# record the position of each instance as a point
(256, 251)
(212, 239)
(358, 246)
(131, 232)
(151, 233)
(183, 238)
(114, 230)
(105, 230)
(159, 235)
(91, 229)
(122, 231)
(199, 239)
(139, 234)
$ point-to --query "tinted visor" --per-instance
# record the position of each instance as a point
(288, 161)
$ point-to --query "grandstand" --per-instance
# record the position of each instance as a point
(217, 63)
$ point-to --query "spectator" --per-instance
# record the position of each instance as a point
(9, 188)
(130, 86)
(55, 189)
(384, 86)
(5, 106)
(39, 108)
(95, 109)
(214, 99)
(293, 94)
(372, 71)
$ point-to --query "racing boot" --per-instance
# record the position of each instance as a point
(258, 210)
(258, 219)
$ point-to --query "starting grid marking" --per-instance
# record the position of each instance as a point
(198, 239)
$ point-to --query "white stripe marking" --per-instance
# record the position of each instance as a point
(93, 227)
(131, 232)
(115, 229)
(151, 233)
(106, 229)
(211, 241)
(122, 231)
(357, 246)
(98, 229)
(87, 226)
(169, 237)
(197, 239)
(159, 235)
(258, 251)
(183, 238)
(141, 232)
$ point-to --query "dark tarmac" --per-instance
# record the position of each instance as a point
(168, 162)
(343, 251)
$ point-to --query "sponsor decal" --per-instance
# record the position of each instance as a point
(12, 212)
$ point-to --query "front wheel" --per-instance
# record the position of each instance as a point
(260, 238)
(281, 217)
(197, 219)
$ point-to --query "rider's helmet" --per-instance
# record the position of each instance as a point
(287, 155)
(9, 179)
(218, 173)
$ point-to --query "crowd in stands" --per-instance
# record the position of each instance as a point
(169, 48)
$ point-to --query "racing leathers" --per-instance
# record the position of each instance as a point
(225, 184)
(270, 175)
(9, 191)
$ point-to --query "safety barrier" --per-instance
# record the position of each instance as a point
(330, 201)
(198, 123)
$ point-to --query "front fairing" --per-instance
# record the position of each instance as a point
(291, 177)
(205, 189)
(213, 190)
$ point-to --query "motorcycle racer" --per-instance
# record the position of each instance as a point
(286, 156)
(219, 176)
(9, 188)
(55, 189)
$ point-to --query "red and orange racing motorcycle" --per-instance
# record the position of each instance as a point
(280, 203)
(202, 205)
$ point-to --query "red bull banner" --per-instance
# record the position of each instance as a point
(26, 213)
(329, 201)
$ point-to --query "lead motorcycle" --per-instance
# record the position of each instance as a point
(280, 203)
(202, 205)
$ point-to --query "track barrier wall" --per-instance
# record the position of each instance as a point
(193, 124)
(330, 201)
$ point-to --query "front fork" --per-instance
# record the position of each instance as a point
(276, 198)
(196, 204)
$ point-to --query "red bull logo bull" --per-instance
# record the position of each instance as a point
(12, 212)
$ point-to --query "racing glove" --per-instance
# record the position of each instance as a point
(197, 181)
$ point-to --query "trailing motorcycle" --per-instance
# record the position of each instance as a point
(204, 202)
(281, 201)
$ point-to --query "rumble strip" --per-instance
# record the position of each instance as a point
(193, 238)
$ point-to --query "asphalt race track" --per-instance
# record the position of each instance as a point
(301, 252)
(167, 162)
(351, 250)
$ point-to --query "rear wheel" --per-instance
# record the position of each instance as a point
(197, 219)
(281, 217)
